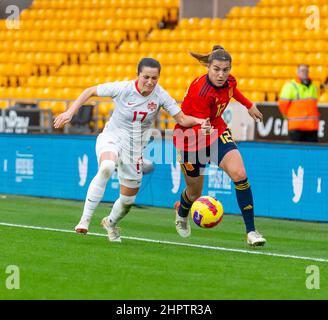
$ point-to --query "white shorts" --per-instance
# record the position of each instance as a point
(129, 168)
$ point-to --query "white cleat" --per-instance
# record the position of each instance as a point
(113, 232)
(255, 239)
(182, 224)
(82, 227)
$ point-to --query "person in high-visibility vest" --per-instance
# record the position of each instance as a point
(298, 102)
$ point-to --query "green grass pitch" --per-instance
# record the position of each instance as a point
(54, 264)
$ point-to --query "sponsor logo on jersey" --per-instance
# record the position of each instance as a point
(152, 106)
(131, 103)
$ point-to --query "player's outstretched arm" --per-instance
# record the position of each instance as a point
(67, 116)
(252, 109)
(255, 113)
(188, 121)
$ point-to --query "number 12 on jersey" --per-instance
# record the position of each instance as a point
(138, 114)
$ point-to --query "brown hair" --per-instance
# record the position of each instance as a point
(218, 53)
(148, 62)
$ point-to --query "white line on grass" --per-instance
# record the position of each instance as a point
(173, 243)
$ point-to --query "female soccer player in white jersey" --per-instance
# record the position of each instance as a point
(126, 134)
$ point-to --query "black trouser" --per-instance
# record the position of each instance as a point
(305, 136)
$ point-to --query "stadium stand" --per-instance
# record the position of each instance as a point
(63, 47)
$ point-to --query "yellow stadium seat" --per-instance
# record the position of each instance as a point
(257, 70)
(286, 57)
(235, 12)
(100, 124)
(317, 59)
(170, 123)
(216, 24)
(131, 46)
(277, 84)
(191, 23)
(4, 104)
(179, 94)
(58, 107)
(265, 85)
(317, 72)
(3, 82)
(167, 82)
(247, 11)
(257, 96)
(324, 98)
(271, 96)
(205, 23)
(9, 93)
(105, 108)
(45, 104)
(26, 92)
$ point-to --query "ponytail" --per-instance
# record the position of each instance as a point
(218, 53)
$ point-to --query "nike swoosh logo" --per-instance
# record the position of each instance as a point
(131, 103)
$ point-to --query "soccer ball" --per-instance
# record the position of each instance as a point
(206, 212)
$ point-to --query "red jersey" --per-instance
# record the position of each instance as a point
(204, 100)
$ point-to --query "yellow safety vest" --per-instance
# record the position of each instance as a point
(299, 104)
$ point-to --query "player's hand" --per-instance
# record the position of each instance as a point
(255, 113)
(206, 127)
(62, 119)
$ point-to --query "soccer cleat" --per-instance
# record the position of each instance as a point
(113, 232)
(255, 239)
(82, 226)
(182, 224)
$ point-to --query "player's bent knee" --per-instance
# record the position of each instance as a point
(238, 175)
(106, 168)
(127, 201)
(130, 183)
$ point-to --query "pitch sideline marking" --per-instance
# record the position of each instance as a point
(172, 243)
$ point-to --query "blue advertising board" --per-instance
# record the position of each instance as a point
(288, 180)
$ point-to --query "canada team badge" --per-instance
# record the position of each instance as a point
(152, 106)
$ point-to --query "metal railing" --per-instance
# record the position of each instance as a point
(18, 119)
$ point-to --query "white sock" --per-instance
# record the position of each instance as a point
(120, 208)
(97, 188)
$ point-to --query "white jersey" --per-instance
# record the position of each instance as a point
(134, 114)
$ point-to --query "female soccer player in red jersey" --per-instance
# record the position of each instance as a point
(207, 97)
